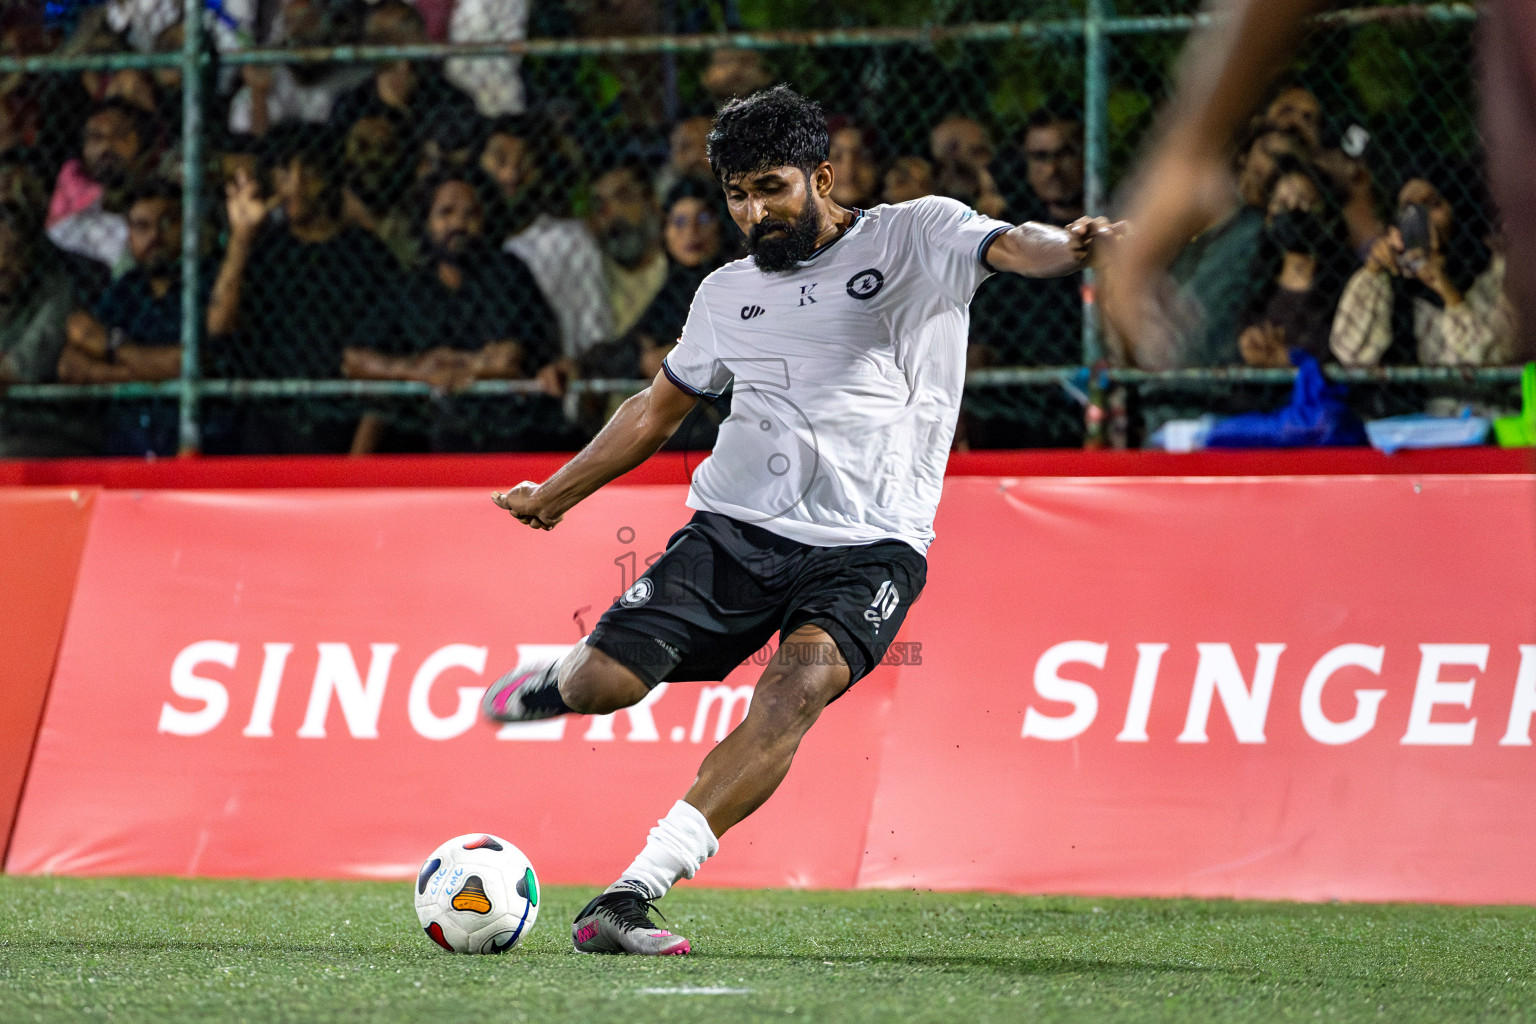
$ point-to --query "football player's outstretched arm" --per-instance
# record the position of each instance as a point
(1044, 250)
(640, 427)
(1184, 184)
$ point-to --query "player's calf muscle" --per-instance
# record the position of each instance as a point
(592, 683)
(741, 773)
(790, 696)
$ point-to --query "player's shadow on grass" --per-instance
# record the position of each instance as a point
(1038, 965)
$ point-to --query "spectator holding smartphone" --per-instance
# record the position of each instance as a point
(1431, 287)
(1294, 107)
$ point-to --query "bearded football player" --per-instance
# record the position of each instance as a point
(842, 338)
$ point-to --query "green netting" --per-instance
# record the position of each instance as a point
(536, 221)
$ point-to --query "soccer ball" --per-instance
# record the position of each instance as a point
(477, 894)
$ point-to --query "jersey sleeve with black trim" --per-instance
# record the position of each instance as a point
(952, 240)
(694, 364)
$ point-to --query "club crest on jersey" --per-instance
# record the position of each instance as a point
(866, 284)
(638, 593)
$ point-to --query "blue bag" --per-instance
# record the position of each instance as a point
(1316, 416)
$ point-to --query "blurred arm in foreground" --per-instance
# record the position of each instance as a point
(1184, 184)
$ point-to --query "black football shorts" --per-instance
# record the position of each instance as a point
(723, 588)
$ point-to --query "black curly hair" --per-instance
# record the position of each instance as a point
(774, 128)
(156, 188)
(316, 147)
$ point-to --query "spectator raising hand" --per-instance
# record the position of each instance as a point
(247, 210)
(1295, 108)
(288, 294)
(246, 206)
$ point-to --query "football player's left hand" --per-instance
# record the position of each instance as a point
(1086, 232)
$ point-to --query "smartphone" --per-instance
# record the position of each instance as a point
(1413, 225)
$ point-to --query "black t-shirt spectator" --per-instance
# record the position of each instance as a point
(663, 319)
(498, 301)
(1030, 321)
(1026, 321)
(663, 322)
(300, 302)
(130, 305)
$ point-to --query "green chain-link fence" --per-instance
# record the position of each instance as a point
(396, 244)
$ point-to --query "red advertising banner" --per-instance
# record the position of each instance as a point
(1294, 687)
(1297, 688)
(285, 683)
(41, 533)
(501, 470)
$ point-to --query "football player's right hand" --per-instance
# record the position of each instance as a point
(522, 501)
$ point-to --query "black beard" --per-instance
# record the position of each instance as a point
(162, 266)
(108, 173)
(786, 250)
(458, 256)
(626, 244)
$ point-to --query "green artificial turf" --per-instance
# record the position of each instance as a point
(166, 950)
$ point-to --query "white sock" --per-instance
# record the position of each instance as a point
(678, 846)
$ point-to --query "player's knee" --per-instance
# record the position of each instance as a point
(791, 704)
(600, 686)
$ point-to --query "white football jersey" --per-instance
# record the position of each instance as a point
(847, 376)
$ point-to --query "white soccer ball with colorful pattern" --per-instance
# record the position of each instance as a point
(477, 894)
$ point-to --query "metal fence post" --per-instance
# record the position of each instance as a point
(191, 220)
(1095, 155)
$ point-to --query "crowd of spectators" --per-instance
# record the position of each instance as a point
(1305, 261)
(442, 223)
